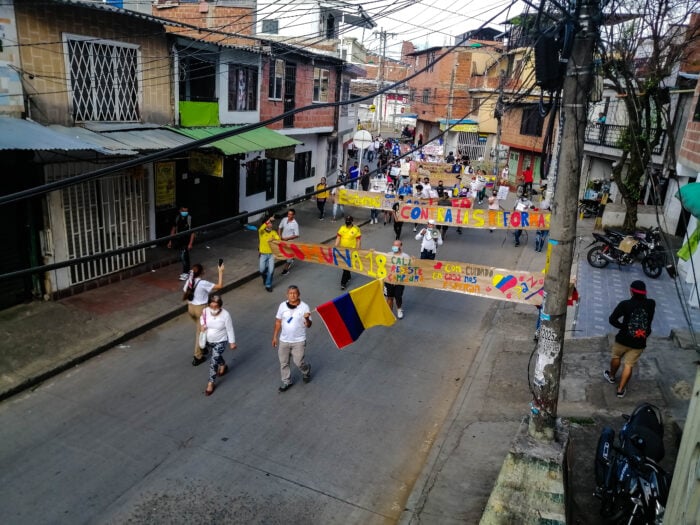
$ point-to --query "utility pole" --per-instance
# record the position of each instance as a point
(383, 35)
(498, 113)
(573, 115)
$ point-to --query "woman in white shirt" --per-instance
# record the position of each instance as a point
(218, 325)
(198, 301)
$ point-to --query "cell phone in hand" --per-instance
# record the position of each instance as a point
(221, 262)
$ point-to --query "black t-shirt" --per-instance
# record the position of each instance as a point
(182, 224)
(637, 315)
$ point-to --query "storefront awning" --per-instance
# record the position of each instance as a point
(255, 140)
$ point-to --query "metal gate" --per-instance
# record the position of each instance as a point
(103, 215)
(468, 144)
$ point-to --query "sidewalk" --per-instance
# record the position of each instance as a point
(42, 339)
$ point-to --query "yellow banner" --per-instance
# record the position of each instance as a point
(470, 279)
(460, 213)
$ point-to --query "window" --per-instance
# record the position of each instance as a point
(276, 79)
(474, 105)
(321, 80)
(242, 88)
(532, 121)
(271, 26)
(426, 96)
(197, 78)
(103, 80)
(344, 96)
(412, 94)
(302, 166)
(256, 176)
(430, 59)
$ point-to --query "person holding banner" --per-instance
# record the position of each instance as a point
(267, 258)
(430, 239)
(395, 291)
(291, 321)
(288, 230)
(523, 204)
(348, 236)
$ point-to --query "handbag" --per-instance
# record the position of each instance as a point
(203, 334)
(189, 293)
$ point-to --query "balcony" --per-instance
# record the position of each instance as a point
(611, 136)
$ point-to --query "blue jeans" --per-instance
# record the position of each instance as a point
(518, 233)
(185, 260)
(373, 214)
(267, 268)
(540, 239)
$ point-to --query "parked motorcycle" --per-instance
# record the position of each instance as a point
(625, 251)
(588, 208)
(632, 486)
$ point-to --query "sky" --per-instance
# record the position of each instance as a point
(429, 23)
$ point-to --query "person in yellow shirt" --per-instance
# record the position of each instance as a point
(267, 260)
(348, 236)
(321, 198)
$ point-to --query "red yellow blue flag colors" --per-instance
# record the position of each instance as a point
(347, 316)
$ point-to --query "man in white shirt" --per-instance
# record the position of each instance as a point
(395, 291)
(288, 230)
(523, 204)
(430, 239)
(292, 319)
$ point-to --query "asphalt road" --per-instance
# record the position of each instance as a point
(130, 437)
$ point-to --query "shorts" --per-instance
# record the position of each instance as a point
(393, 290)
(631, 355)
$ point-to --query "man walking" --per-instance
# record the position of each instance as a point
(267, 258)
(288, 230)
(395, 291)
(430, 239)
(637, 314)
(292, 319)
(183, 223)
(348, 236)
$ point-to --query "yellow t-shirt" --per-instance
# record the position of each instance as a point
(264, 237)
(349, 236)
(324, 194)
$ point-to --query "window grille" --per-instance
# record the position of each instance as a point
(321, 80)
(242, 88)
(276, 79)
(104, 81)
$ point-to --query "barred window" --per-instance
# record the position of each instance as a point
(242, 88)
(532, 121)
(321, 81)
(302, 166)
(426, 96)
(104, 82)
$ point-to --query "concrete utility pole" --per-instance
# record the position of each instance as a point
(383, 35)
(577, 85)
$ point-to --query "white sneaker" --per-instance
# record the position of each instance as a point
(399, 313)
(184, 276)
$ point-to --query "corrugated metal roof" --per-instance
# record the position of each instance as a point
(101, 6)
(254, 140)
(101, 143)
(148, 139)
(20, 134)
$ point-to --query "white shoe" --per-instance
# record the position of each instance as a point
(399, 313)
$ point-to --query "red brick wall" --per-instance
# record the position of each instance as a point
(510, 131)
(303, 93)
(690, 145)
(224, 18)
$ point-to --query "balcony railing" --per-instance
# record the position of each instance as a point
(612, 136)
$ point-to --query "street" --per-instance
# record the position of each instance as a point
(129, 435)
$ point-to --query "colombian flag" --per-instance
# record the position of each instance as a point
(347, 316)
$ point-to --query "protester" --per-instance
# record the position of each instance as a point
(450, 158)
(527, 180)
(637, 314)
(354, 175)
(267, 259)
(364, 178)
(338, 209)
(390, 194)
(348, 236)
(289, 336)
(217, 324)
(200, 290)
(288, 230)
(523, 204)
(394, 292)
(494, 204)
(430, 239)
(541, 235)
(398, 221)
(321, 198)
(183, 223)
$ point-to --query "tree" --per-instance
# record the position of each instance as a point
(641, 47)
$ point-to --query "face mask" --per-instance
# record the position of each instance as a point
(184, 213)
(214, 311)
(348, 223)
(395, 249)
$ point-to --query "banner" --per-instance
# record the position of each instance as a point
(470, 279)
(461, 213)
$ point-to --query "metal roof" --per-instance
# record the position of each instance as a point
(101, 143)
(20, 134)
(101, 6)
(254, 140)
(148, 139)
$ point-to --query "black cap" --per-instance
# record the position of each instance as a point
(638, 287)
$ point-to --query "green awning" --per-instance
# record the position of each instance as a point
(255, 140)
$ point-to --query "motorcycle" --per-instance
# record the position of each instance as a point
(588, 208)
(632, 486)
(625, 251)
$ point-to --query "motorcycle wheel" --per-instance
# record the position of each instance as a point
(595, 257)
(652, 266)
